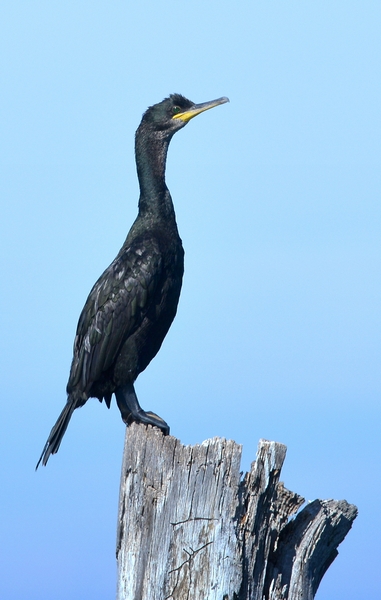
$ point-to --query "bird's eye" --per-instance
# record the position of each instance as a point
(176, 110)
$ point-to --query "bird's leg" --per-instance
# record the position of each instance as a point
(131, 410)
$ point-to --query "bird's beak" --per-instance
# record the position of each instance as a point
(188, 114)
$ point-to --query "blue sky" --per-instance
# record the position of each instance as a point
(277, 196)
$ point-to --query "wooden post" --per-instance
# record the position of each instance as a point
(190, 528)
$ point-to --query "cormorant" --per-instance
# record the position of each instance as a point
(132, 305)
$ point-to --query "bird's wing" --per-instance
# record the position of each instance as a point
(114, 309)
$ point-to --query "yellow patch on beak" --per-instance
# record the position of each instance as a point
(197, 109)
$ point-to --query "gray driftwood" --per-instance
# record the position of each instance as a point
(191, 528)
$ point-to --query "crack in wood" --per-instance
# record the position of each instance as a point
(191, 555)
(189, 519)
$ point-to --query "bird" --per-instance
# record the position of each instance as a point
(133, 303)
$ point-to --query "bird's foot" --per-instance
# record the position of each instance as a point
(149, 418)
(131, 410)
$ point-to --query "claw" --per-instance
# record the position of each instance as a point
(159, 422)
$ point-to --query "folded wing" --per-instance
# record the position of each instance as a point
(115, 308)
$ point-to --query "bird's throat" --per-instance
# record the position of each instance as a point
(151, 157)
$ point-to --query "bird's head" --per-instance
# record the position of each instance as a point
(175, 112)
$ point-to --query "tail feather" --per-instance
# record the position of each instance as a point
(57, 433)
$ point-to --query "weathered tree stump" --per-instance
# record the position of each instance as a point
(190, 528)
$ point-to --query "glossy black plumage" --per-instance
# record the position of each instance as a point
(132, 305)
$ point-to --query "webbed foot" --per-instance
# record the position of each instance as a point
(131, 410)
(150, 418)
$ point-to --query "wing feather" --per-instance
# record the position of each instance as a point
(114, 309)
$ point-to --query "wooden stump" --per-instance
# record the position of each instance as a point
(190, 528)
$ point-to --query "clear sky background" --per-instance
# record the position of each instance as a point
(277, 196)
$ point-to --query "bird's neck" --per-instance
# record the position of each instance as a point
(151, 156)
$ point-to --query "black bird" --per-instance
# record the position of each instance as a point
(132, 305)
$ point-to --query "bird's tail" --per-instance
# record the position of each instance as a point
(58, 431)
